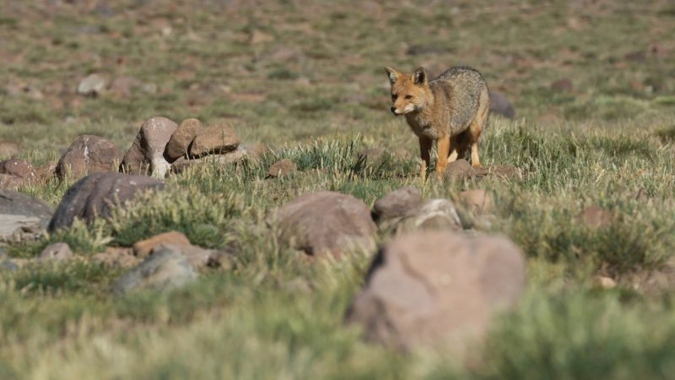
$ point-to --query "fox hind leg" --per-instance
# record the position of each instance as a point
(474, 132)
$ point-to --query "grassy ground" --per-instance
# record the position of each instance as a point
(306, 79)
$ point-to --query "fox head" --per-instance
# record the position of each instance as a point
(408, 91)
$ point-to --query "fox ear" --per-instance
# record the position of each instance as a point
(420, 76)
(392, 74)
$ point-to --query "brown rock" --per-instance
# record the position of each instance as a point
(254, 150)
(88, 154)
(10, 182)
(18, 168)
(477, 200)
(95, 195)
(437, 289)
(326, 223)
(397, 204)
(218, 139)
(182, 164)
(146, 155)
(459, 169)
(281, 168)
(145, 247)
(56, 252)
(180, 140)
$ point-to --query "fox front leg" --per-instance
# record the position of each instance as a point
(425, 153)
(442, 152)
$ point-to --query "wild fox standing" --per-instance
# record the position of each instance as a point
(451, 110)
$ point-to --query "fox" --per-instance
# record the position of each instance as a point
(450, 110)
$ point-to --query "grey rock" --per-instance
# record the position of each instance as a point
(146, 154)
(97, 194)
(166, 269)
(501, 106)
(92, 85)
(56, 252)
(15, 203)
(326, 223)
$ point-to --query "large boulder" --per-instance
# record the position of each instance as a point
(88, 154)
(146, 155)
(437, 289)
(97, 194)
(326, 223)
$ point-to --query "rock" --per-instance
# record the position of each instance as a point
(182, 164)
(15, 203)
(215, 139)
(145, 247)
(562, 86)
(501, 106)
(397, 204)
(435, 214)
(123, 86)
(46, 171)
(56, 252)
(459, 169)
(14, 227)
(254, 150)
(604, 282)
(18, 168)
(437, 289)
(97, 194)
(326, 223)
(476, 200)
(116, 257)
(88, 154)
(281, 168)
(595, 217)
(181, 138)
(146, 155)
(9, 149)
(93, 85)
(166, 269)
(10, 182)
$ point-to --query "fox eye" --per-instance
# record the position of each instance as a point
(394, 96)
(408, 97)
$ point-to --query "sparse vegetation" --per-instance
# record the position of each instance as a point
(306, 79)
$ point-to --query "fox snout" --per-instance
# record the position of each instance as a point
(395, 111)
